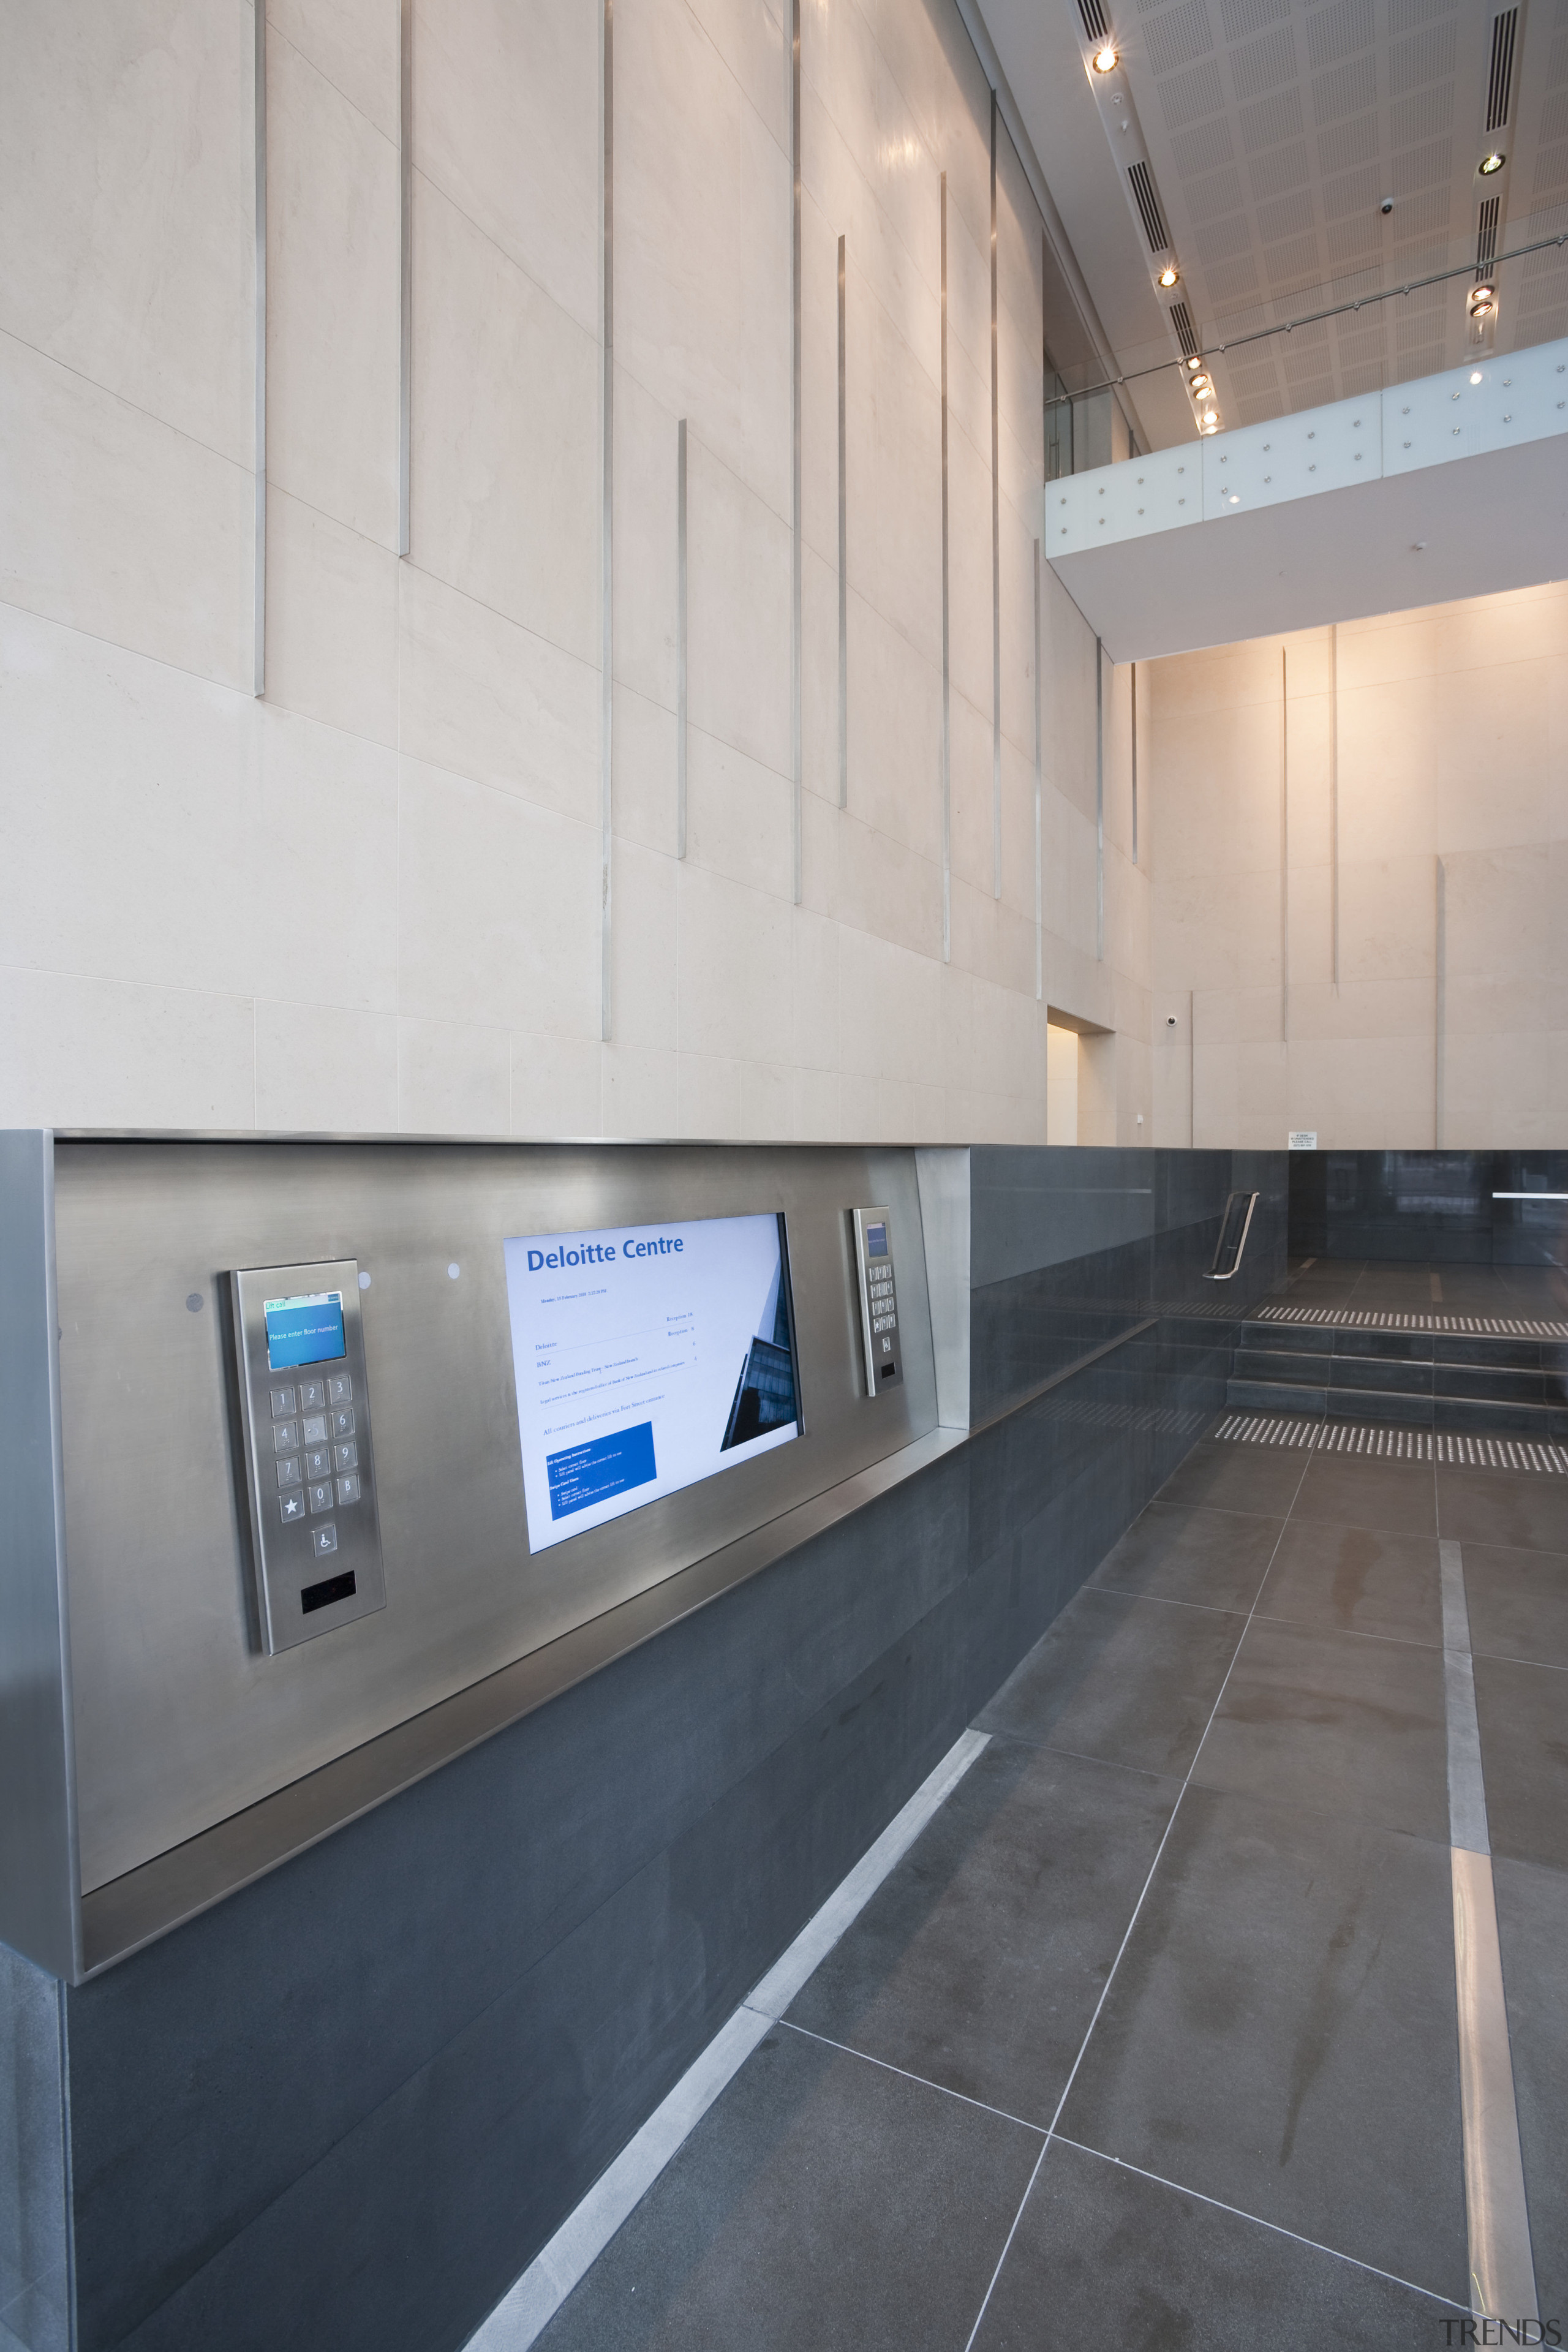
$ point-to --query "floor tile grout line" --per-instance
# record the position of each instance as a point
(1182, 2189)
(945, 2089)
(1133, 1922)
(1164, 1600)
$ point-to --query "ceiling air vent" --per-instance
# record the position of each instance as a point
(1094, 23)
(1148, 205)
(1500, 80)
(1182, 320)
(1486, 233)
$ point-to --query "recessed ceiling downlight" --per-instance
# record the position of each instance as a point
(1105, 58)
(1170, 275)
(1492, 162)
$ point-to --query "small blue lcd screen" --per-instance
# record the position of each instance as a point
(875, 1241)
(307, 1331)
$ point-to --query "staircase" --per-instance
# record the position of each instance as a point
(1435, 1371)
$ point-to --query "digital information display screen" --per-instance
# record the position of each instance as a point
(647, 1356)
(877, 1241)
(307, 1331)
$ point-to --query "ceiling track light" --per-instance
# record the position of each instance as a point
(1170, 276)
(1105, 59)
(1481, 300)
(1200, 384)
(1194, 366)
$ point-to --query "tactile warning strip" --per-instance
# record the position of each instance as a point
(1365, 1318)
(1461, 1450)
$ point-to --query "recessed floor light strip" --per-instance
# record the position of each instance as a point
(532, 2301)
(1502, 2274)
(1461, 1451)
(1365, 1319)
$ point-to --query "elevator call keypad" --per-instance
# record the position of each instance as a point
(878, 1300)
(309, 1469)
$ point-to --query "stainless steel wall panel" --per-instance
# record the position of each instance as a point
(38, 1817)
(181, 1721)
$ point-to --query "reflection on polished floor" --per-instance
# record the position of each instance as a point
(1150, 2040)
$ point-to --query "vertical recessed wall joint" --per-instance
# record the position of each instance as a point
(1440, 1013)
(1134, 717)
(1284, 847)
(259, 135)
(1098, 802)
(681, 638)
(995, 552)
(1040, 778)
(405, 277)
(843, 548)
(946, 673)
(607, 552)
(1334, 804)
(796, 811)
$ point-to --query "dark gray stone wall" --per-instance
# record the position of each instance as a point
(33, 2187)
(1431, 1207)
(349, 2105)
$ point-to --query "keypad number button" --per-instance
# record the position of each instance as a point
(318, 1462)
(339, 1387)
(312, 1395)
(324, 1541)
(344, 1422)
(289, 1473)
(282, 1401)
(315, 1429)
(320, 1495)
(285, 1437)
(345, 1458)
(290, 1507)
(348, 1489)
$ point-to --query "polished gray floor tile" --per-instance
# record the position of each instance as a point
(1362, 1580)
(1358, 1491)
(979, 1961)
(1523, 1508)
(1337, 1722)
(1518, 1603)
(1176, 1553)
(821, 2202)
(1523, 1713)
(1147, 2268)
(1280, 2033)
(1532, 1924)
(1132, 1682)
(1224, 1476)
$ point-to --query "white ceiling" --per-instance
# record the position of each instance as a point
(1274, 131)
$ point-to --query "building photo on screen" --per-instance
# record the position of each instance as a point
(647, 1356)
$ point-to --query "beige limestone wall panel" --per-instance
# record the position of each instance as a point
(753, 41)
(454, 1077)
(1017, 614)
(1481, 633)
(815, 992)
(643, 748)
(738, 602)
(332, 299)
(322, 1070)
(892, 1001)
(506, 446)
(645, 548)
(739, 817)
(1218, 930)
(703, 287)
(990, 939)
(903, 173)
(637, 1092)
(1390, 745)
(1388, 918)
(1309, 752)
(1495, 781)
(555, 1083)
(1018, 840)
(126, 844)
(708, 1097)
(646, 949)
(82, 1052)
(128, 249)
(332, 620)
(894, 513)
(1311, 922)
(485, 698)
(819, 677)
(120, 527)
(1364, 1093)
(1240, 1091)
(1402, 1009)
(497, 908)
(1067, 697)
(1222, 770)
(894, 734)
(1220, 680)
(733, 969)
(326, 813)
(971, 648)
(355, 45)
(1068, 861)
(819, 385)
(885, 889)
(1506, 1093)
(506, 125)
(971, 837)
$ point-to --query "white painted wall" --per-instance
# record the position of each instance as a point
(1452, 775)
(370, 901)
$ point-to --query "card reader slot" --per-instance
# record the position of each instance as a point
(330, 1589)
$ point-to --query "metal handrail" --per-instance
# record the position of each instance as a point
(1226, 1227)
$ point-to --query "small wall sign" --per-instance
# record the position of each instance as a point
(1302, 1139)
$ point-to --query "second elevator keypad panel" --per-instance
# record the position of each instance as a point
(878, 1300)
